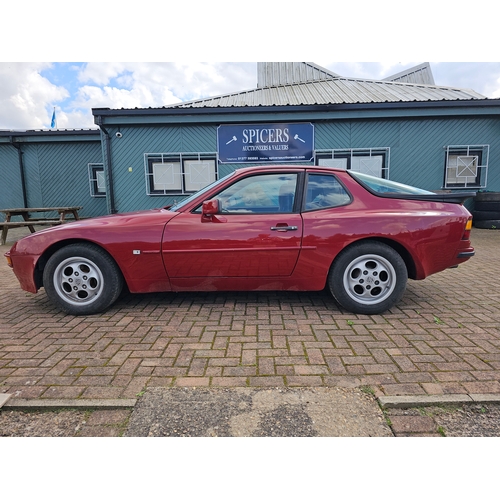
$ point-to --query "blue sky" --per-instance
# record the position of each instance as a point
(64, 74)
(30, 91)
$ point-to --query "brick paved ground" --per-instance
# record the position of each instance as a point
(443, 338)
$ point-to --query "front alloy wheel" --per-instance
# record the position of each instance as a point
(82, 279)
(78, 280)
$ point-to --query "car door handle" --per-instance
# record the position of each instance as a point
(284, 228)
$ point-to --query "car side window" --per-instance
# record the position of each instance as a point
(325, 191)
(270, 193)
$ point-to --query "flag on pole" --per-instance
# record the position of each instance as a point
(53, 123)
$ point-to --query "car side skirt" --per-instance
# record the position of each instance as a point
(209, 284)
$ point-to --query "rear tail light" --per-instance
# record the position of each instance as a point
(468, 227)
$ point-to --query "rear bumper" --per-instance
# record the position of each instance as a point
(466, 255)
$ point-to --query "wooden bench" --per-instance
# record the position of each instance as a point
(24, 223)
(30, 222)
(11, 225)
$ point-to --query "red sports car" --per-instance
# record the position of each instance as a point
(260, 228)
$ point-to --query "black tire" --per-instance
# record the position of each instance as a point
(488, 206)
(368, 278)
(484, 215)
(487, 196)
(487, 224)
(82, 279)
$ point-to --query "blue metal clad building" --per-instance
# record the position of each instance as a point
(47, 168)
(404, 128)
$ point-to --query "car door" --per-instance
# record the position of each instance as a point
(255, 233)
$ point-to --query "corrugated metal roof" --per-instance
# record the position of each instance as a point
(418, 74)
(337, 90)
(272, 74)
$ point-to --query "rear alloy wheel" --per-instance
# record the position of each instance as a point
(368, 278)
(82, 279)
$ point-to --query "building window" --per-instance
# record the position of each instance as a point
(466, 166)
(97, 180)
(371, 161)
(177, 173)
(166, 177)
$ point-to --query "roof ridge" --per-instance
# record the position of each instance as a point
(314, 82)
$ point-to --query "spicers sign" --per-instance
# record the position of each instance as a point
(283, 142)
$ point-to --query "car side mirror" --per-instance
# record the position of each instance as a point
(209, 209)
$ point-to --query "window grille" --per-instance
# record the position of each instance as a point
(97, 180)
(371, 161)
(179, 173)
(466, 166)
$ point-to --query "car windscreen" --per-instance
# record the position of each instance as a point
(185, 201)
(385, 186)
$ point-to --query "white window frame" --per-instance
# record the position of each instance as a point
(166, 176)
(97, 180)
(187, 172)
(466, 167)
(198, 174)
(351, 159)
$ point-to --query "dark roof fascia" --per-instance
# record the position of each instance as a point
(107, 116)
(32, 136)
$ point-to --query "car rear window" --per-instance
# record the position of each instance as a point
(325, 191)
(384, 186)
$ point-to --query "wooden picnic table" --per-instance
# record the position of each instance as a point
(30, 220)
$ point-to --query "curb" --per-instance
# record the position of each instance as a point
(118, 404)
(69, 404)
(414, 401)
(4, 398)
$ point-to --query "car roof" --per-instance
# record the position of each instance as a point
(274, 168)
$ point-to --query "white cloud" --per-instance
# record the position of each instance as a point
(76, 119)
(26, 97)
(168, 78)
(28, 91)
(483, 77)
(100, 73)
(111, 97)
(143, 85)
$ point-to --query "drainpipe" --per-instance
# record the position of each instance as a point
(109, 169)
(21, 169)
